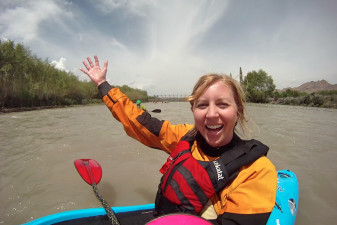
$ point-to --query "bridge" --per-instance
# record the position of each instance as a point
(171, 98)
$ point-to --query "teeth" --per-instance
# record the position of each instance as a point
(214, 126)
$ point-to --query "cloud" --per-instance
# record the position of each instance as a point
(60, 64)
(130, 7)
(116, 43)
(171, 35)
(23, 21)
(4, 39)
(164, 46)
(177, 28)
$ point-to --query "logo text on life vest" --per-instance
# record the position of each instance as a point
(218, 170)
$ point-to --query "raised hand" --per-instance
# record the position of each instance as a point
(94, 72)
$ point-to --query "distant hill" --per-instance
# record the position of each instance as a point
(314, 86)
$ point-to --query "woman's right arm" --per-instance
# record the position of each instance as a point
(137, 123)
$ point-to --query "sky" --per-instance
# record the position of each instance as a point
(163, 47)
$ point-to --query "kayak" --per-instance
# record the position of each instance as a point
(287, 195)
(284, 212)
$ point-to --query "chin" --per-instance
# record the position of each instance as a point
(218, 142)
(214, 144)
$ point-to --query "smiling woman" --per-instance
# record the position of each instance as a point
(210, 168)
(216, 109)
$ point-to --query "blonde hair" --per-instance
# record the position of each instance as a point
(239, 96)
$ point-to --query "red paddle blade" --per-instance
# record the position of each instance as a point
(89, 169)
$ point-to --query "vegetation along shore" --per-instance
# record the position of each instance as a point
(30, 83)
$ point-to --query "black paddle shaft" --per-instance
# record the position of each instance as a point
(113, 219)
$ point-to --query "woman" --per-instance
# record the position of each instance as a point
(211, 172)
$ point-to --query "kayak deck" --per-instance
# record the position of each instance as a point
(284, 212)
(138, 217)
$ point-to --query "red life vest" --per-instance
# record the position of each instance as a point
(188, 184)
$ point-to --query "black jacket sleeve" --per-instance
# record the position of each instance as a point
(243, 219)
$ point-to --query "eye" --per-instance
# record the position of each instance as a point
(223, 105)
(201, 105)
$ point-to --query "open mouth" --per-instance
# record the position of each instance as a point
(214, 127)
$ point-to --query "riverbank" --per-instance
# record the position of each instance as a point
(22, 109)
(312, 100)
(317, 101)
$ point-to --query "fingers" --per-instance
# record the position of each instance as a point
(90, 62)
(86, 65)
(85, 71)
(105, 65)
(89, 65)
(96, 60)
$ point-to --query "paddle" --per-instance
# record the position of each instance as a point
(91, 172)
(156, 110)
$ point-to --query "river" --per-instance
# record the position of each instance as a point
(37, 150)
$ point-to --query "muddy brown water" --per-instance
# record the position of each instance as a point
(37, 150)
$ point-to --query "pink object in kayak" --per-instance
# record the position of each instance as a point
(179, 219)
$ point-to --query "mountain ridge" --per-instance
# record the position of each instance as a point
(313, 86)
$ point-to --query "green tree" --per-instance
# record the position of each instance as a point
(7, 54)
(259, 86)
(134, 93)
(28, 81)
(241, 77)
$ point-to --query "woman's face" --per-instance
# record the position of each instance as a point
(215, 114)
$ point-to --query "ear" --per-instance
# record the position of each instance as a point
(240, 111)
(237, 117)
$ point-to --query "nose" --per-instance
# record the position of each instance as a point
(212, 111)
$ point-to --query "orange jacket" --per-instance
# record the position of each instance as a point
(252, 192)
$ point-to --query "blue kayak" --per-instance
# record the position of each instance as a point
(284, 212)
(285, 209)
